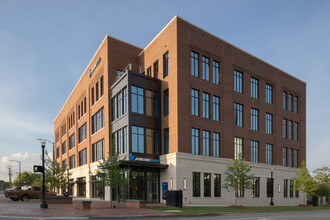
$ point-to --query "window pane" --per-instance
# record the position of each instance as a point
(206, 143)
(207, 185)
(216, 72)
(254, 88)
(238, 81)
(255, 151)
(194, 63)
(206, 68)
(196, 184)
(206, 105)
(216, 108)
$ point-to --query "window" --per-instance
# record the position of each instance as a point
(114, 108)
(57, 152)
(297, 193)
(269, 154)
(166, 103)
(151, 103)
(270, 187)
(85, 105)
(149, 71)
(195, 141)
(156, 69)
(102, 86)
(83, 157)
(206, 143)
(216, 108)
(255, 151)
(71, 142)
(196, 184)
(92, 94)
(151, 141)
(167, 140)
(290, 130)
(284, 100)
(238, 114)
(284, 156)
(216, 144)
(238, 81)
(216, 72)
(82, 133)
(269, 94)
(207, 185)
(290, 102)
(269, 123)
(256, 187)
(119, 104)
(254, 119)
(137, 102)
(98, 121)
(291, 188)
(206, 68)
(238, 147)
(296, 104)
(296, 158)
(284, 128)
(124, 100)
(165, 64)
(137, 139)
(64, 164)
(64, 147)
(119, 138)
(97, 91)
(290, 157)
(206, 105)
(125, 146)
(78, 112)
(72, 161)
(194, 102)
(285, 190)
(254, 88)
(98, 151)
(296, 131)
(194, 63)
(217, 185)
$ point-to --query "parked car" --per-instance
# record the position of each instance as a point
(28, 192)
(7, 191)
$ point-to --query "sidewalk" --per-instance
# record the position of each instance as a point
(32, 209)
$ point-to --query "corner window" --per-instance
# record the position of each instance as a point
(165, 64)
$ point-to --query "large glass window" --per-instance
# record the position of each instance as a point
(137, 139)
(284, 128)
(255, 151)
(64, 147)
(124, 100)
(269, 154)
(166, 103)
(151, 103)
(254, 119)
(290, 129)
(216, 144)
(83, 157)
(290, 157)
(82, 133)
(151, 141)
(72, 161)
(269, 94)
(285, 190)
(291, 188)
(284, 156)
(71, 141)
(296, 158)
(195, 141)
(217, 185)
(196, 184)
(238, 148)
(256, 187)
(194, 63)
(206, 143)
(206, 68)
(296, 131)
(216, 72)
(207, 185)
(206, 105)
(165, 64)
(167, 140)
(270, 187)
(98, 121)
(254, 88)
(194, 102)
(269, 123)
(98, 151)
(238, 114)
(238, 81)
(119, 138)
(295, 104)
(114, 107)
(125, 146)
(216, 108)
(285, 94)
(137, 102)
(290, 102)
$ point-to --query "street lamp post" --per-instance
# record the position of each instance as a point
(53, 143)
(271, 177)
(43, 203)
(19, 171)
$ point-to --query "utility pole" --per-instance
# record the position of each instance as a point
(10, 174)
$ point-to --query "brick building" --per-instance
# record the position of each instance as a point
(179, 110)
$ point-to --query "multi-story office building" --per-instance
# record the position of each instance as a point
(179, 110)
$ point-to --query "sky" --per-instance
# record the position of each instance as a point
(46, 45)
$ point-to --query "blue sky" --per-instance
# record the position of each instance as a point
(46, 45)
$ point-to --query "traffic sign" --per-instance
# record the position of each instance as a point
(37, 168)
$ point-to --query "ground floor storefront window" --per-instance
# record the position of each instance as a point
(97, 188)
(81, 186)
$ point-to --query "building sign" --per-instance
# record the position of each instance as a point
(96, 64)
(141, 159)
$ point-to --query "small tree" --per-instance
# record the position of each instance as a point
(322, 175)
(113, 175)
(304, 181)
(54, 175)
(238, 177)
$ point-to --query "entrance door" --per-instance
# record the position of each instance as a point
(152, 187)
